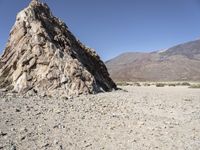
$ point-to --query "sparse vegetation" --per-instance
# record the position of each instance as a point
(195, 86)
(147, 84)
(178, 84)
(185, 84)
(171, 84)
(122, 84)
(137, 84)
(160, 84)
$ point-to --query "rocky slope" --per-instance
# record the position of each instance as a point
(179, 63)
(42, 55)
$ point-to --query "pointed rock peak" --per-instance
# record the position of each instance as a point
(43, 56)
(35, 2)
(38, 3)
(38, 6)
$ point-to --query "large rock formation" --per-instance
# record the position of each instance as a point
(42, 55)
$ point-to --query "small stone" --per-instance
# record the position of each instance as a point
(3, 90)
(46, 145)
(64, 98)
(39, 113)
(2, 133)
(17, 110)
(88, 145)
(60, 147)
(12, 129)
(43, 94)
(24, 129)
(64, 79)
(55, 142)
(56, 126)
(22, 138)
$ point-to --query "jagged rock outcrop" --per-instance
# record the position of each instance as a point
(42, 55)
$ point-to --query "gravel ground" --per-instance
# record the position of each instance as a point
(138, 118)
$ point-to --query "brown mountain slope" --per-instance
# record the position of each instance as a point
(179, 63)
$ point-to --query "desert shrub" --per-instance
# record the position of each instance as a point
(160, 84)
(147, 84)
(172, 84)
(175, 83)
(129, 83)
(122, 83)
(178, 84)
(195, 86)
(185, 84)
(137, 84)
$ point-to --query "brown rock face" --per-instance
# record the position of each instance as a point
(42, 55)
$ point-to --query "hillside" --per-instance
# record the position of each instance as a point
(178, 63)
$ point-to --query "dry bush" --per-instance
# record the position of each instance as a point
(137, 84)
(185, 84)
(147, 84)
(171, 84)
(122, 83)
(195, 86)
(160, 84)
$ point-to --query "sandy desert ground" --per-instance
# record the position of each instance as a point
(136, 118)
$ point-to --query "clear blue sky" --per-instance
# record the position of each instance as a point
(116, 26)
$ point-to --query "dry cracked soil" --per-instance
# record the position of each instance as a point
(135, 118)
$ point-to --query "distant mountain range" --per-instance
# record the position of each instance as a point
(179, 63)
